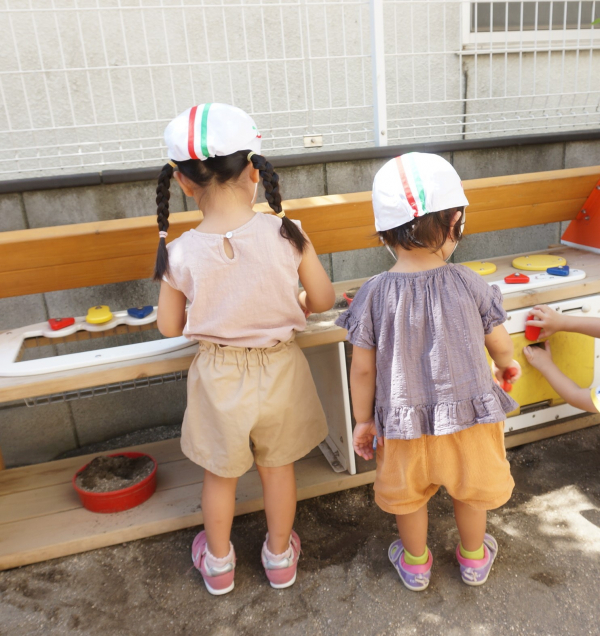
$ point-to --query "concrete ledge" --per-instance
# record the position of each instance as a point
(304, 159)
(50, 183)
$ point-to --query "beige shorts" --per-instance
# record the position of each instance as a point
(246, 405)
(470, 464)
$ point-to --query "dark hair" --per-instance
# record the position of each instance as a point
(431, 231)
(220, 169)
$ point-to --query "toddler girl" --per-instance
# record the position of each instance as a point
(420, 380)
(251, 397)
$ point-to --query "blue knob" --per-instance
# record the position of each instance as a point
(563, 270)
(140, 312)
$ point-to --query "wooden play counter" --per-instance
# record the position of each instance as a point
(40, 514)
(320, 330)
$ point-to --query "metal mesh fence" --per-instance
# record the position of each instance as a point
(471, 69)
(91, 84)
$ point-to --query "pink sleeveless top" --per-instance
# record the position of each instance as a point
(250, 300)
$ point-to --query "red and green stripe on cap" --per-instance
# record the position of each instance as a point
(415, 195)
(203, 132)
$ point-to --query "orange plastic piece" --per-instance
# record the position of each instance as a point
(584, 230)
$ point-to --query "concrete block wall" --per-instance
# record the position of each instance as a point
(30, 435)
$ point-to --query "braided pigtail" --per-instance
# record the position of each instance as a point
(162, 217)
(289, 230)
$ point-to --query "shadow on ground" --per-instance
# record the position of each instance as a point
(545, 580)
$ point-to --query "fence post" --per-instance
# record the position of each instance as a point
(378, 73)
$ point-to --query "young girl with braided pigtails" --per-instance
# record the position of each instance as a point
(251, 397)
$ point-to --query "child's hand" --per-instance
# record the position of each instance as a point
(507, 376)
(362, 439)
(549, 320)
(537, 357)
(302, 301)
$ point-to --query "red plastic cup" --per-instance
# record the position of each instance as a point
(532, 333)
(118, 500)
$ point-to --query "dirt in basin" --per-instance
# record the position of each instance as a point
(107, 474)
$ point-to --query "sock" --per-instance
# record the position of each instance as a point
(476, 555)
(215, 562)
(277, 558)
(413, 560)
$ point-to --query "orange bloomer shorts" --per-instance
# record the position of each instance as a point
(470, 464)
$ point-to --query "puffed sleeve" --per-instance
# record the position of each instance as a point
(492, 311)
(358, 320)
(488, 299)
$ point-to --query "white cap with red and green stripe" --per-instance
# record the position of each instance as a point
(413, 185)
(211, 130)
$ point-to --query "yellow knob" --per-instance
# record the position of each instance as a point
(99, 314)
(482, 268)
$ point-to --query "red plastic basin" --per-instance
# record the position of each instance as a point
(118, 500)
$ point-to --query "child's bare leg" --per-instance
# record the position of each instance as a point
(412, 529)
(218, 505)
(279, 492)
(471, 525)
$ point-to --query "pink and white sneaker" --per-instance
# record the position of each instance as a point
(282, 574)
(219, 579)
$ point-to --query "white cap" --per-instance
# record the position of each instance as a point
(413, 185)
(211, 130)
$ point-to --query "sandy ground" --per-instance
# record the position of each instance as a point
(545, 580)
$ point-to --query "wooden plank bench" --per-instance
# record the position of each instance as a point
(67, 257)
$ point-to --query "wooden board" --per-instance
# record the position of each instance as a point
(320, 330)
(41, 497)
(43, 520)
(65, 257)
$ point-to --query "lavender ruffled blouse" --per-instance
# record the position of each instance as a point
(428, 328)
